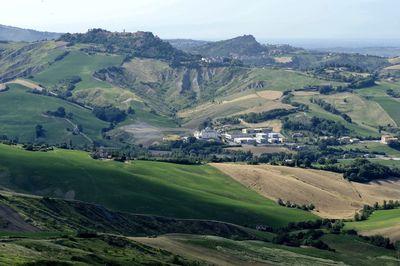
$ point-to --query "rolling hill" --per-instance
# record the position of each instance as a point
(8, 33)
(22, 110)
(182, 191)
(332, 195)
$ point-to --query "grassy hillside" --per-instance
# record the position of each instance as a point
(331, 194)
(75, 250)
(24, 59)
(21, 111)
(183, 191)
(378, 94)
(349, 250)
(8, 33)
(385, 222)
(357, 128)
(24, 214)
(78, 63)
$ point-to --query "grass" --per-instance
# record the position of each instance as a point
(101, 250)
(357, 129)
(370, 147)
(391, 106)
(349, 250)
(378, 94)
(78, 63)
(21, 111)
(378, 220)
(362, 111)
(183, 191)
(281, 80)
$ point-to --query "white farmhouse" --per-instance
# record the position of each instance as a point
(207, 133)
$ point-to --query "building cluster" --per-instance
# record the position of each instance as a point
(246, 136)
(348, 140)
(388, 139)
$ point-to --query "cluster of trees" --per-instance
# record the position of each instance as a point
(34, 147)
(227, 120)
(316, 125)
(330, 108)
(110, 114)
(61, 56)
(250, 117)
(362, 170)
(60, 112)
(65, 87)
(40, 132)
(264, 116)
(287, 99)
(308, 238)
(289, 204)
(368, 210)
(392, 93)
(363, 82)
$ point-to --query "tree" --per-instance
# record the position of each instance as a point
(39, 131)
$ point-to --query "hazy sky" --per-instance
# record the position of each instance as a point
(213, 19)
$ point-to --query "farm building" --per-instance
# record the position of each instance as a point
(207, 133)
(244, 140)
(386, 139)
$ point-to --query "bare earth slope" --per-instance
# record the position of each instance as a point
(333, 196)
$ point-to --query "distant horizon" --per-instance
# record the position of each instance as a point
(213, 19)
(308, 43)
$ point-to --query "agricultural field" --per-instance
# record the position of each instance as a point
(200, 191)
(361, 110)
(21, 111)
(381, 222)
(378, 94)
(78, 63)
(332, 195)
(234, 105)
(258, 150)
(359, 129)
(281, 80)
(371, 147)
(221, 251)
(236, 98)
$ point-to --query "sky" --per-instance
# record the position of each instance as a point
(213, 19)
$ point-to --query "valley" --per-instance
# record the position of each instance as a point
(121, 148)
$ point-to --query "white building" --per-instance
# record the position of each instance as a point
(232, 136)
(256, 130)
(207, 133)
(244, 140)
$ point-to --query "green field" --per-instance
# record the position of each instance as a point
(280, 79)
(378, 220)
(370, 147)
(391, 106)
(183, 191)
(21, 111)
(356, 129)
(101, 250)
(80, 64)
(349, 250)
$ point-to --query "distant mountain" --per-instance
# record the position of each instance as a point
(378, 51)
(245, 48)
(8, 33)
(245, 45)
(184, 44)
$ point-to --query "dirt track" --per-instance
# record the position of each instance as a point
(333, 196)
